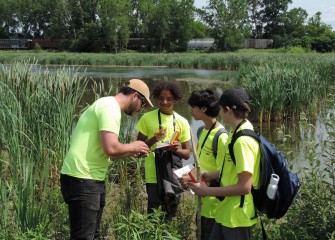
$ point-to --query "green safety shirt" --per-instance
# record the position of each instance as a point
(247, 153)
(86, 158)
(148, 125)
(208, 163)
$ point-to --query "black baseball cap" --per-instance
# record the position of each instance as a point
(233, 98)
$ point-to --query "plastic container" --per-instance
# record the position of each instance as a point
(273, 186)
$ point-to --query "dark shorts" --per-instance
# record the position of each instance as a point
(220, 232)
(206, 227)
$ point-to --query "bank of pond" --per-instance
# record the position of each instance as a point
(39, 108)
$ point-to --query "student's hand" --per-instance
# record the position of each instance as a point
(160, 134)
(209, 176)
(184, 181)
(199, 188)
(176, 145)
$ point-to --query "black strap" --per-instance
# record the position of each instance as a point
(244, 132)
(265, 237)
(204, 141)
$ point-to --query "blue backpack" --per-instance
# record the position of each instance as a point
(272, 161)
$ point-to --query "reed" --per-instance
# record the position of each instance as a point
(219, 61)
(37, 110)
(283, 89)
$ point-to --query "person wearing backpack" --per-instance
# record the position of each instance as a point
(211, 133)
(233, 221)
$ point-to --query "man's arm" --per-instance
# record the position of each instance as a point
(113, 148)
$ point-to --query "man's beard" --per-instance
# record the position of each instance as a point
(131, 110)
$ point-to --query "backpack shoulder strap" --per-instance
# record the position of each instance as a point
(216, 140)
(244, 132)
(199, 131)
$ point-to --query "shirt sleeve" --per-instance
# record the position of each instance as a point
(185, 132)
(244, 153)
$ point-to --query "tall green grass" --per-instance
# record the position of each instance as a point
(283, 89)
(37, 109)
(218, 61)
(37, 112)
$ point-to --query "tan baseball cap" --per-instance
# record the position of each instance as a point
(140, 86)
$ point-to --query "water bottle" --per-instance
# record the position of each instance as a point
(273, 186)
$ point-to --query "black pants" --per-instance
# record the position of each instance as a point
(85, 199)
(169, 204)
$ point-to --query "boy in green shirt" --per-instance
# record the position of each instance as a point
(233, 221)
(200, 102)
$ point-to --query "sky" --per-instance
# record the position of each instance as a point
(326, 7)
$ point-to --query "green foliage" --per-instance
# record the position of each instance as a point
(32, 152)
(32, 234)
(146, 226)
(227, 23)
(283, 89)
(199, 30)
(107, 25)
(312, 215)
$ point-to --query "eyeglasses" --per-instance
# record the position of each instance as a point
(140, 96)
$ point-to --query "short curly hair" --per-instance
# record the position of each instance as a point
(204, 98)
(173, 87)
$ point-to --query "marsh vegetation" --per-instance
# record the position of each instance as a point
(37, 113)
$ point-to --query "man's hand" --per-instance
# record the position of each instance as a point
(140, 148)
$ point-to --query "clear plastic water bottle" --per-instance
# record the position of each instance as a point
(273, 186)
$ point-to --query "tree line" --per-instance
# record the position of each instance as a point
(163, 25)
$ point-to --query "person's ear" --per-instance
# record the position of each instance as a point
(203, 109)
(134, 96)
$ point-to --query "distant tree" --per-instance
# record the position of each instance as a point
(228, 22)
(7, 21)
(180, 26)
(272, 15)
(254, 8)
(114, 17)
(294, 21)
(321, 36)
(158, 27)
(294, 24)
(199, 29)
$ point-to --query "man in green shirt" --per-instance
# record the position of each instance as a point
(94, 142)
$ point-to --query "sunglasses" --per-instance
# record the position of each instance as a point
(140, 96)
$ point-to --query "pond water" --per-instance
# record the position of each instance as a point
(288, 136)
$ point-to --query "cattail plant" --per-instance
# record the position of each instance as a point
(37, 109)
